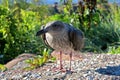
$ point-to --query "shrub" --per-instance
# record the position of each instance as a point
(39, 61)
(100, 33)
(17, 33)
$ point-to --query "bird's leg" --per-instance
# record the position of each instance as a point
(70, 60)
(61, 66)
(70, 69)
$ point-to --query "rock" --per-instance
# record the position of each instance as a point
(16, 77)
(93, 67)
(35, 75)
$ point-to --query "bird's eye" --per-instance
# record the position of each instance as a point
(55, 25)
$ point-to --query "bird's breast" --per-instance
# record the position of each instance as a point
(58, 42)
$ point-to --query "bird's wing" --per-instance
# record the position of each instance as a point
(44, 38)
(76, 38)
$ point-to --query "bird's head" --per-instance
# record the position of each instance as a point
(54, 27)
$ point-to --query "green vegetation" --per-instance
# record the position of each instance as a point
(40, 60)
(114, 50)
(2, 68)
(19, 22)
(17, 31)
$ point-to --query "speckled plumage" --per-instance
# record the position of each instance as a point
(62, 36)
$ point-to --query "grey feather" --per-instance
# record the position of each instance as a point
(62, 36)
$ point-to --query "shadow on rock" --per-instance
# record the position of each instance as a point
(110, 70)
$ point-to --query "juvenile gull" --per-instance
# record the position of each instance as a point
(62, 37)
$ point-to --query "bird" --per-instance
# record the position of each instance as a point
(62, 37)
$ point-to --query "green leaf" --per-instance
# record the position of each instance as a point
(2, 67)
(53, 59)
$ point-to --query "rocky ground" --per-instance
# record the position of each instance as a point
(90, 67)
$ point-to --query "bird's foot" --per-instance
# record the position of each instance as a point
(63, 70)
(68, 71)
(59, 69)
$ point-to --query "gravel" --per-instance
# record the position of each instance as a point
(91, 67)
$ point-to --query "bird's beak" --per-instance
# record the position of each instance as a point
(43, 31)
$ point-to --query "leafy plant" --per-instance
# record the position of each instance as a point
(100, 28)
(2, 67)
(114, 50)
(40, 60)
(17, 32)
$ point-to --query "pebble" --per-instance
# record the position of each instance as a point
(2, 75)
(25, 78)
(97, 67)
(27, 74)
(48, 74)
(16, 77)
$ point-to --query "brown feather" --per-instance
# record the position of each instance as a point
(76, 39)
